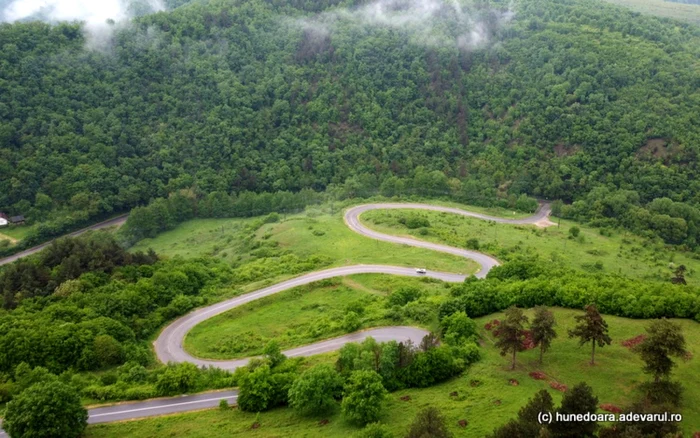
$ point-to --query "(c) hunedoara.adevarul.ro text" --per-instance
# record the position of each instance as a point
(558, 417)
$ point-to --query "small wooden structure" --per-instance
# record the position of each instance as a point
(17, 220)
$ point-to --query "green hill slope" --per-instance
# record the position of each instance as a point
(551, 99)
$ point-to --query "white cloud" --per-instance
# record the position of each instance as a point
(94, 13)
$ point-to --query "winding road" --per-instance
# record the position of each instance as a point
(169, 344)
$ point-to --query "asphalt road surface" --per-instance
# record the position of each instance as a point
(115, 222)
(163, 406)
(169, 347)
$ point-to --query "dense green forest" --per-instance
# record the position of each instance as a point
(574, 100)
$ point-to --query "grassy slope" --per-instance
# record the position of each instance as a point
(15, 233)
(620, 253)
(616, 372)
(301, 316)
(223, 237)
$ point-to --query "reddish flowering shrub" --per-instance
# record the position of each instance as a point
(558, 386)
(633, 342)
(610, 408)
(538, 375)
(489, 325)
(528, 343)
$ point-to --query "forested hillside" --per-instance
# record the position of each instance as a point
(574, 100)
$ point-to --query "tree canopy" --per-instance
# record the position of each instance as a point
(574, 99)
(48, 409)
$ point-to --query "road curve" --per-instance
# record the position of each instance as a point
(352, 220)
(169, 345)
(114, 222)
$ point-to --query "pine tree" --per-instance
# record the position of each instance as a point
(429, 422)
(591, 328)
(542, 329)
(527, 424)
(664, 339)
(579, 400)
(511, 333)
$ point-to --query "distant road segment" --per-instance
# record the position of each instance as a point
(115, 222)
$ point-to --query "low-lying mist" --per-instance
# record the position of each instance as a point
(427, 22)
(100, 17)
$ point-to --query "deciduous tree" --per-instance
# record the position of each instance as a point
(364, 397)
(316, 390)
(48, 409)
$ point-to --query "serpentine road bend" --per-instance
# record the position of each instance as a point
(169, 345)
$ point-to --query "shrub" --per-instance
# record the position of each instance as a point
(375, 430)
(416, 221)
(47, 409)
(261, 389)
(316, 390)
(177, 379)
(351, 322)
(429, 422)
(403, 296)
(364, 397)
(458, 328)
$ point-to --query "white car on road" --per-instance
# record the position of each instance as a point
(421, 270)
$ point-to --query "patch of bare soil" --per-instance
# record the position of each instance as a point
(563, 150)
(544, 223)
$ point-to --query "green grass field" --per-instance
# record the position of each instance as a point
(620, 252)
(321, 232)
(663, 8)
(315, 233)
(485, 397)
(306, 314)
(15, 233)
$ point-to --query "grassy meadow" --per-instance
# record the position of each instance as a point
(14, 233)
(613, 252)
(319, 232)
(311, 313)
